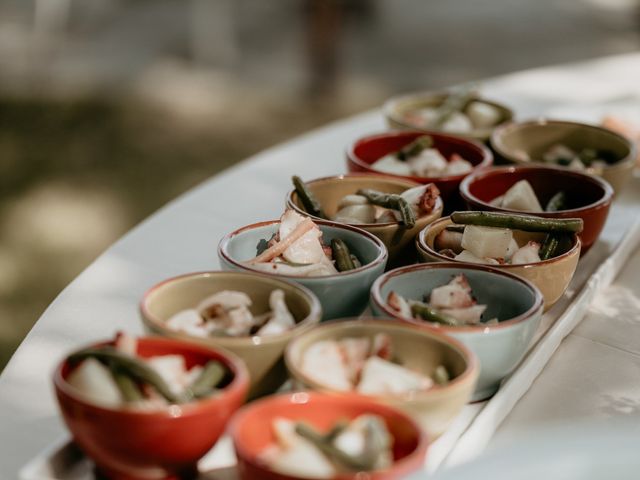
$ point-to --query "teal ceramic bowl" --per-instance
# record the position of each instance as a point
(514, 301)
(341, 295)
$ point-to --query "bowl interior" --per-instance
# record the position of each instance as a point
(427, 237)
(412, 347)
(529, 141)
(253, 430)
(187, 291)
(329, 191)
(505, 297)
(242, 245)
(581, 190)
(368, 150)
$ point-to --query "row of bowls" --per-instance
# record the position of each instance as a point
(174, 438)
(512, 141)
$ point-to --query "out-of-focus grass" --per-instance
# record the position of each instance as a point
(74, 176)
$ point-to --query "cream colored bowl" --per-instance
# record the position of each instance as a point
(418, 348)
(551, 276)
(262, 355)
(397, 238)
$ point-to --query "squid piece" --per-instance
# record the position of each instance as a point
(305, 249)
(355, 352)
(190, 322)
(399, 304)
(455, 295)
(482, 115)
(323, 362)
(281, 318)
(530, 253)
(228, 299)
(357, 214)
(381, 377)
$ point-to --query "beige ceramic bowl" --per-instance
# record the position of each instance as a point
(526, 142)
(262, 355)
(417, 348)
(330, 190)
(395, 109)
(551, 276)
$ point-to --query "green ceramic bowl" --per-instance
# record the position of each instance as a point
(515, 302)
(341, 295)
(526, 142)
(418, 348)
(262, 355)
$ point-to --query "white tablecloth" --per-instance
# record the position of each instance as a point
(183, 236)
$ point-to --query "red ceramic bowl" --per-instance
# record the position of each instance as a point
(367, 150)
(589, 196)
(160, 443)
(251, 431)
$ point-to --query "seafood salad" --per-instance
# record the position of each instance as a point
(522, 197)
(419, 158)
(460, 112)
(226, 313)
(560, 154)
(116, 377)
(364, 365)
(297, 249)
(372, 206)
(360, 445)
(452, 304)
(485, 237)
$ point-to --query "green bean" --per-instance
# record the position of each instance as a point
(212, 374)
(526, 223)
(309, 202)
(414, 148)
(456, 101)
(392, 201)
(441, 375)
(127, 386)
(352, 462)
(336, 430)
(132, 366)
(341, 255)
(356, 261)
(557, 202)
(427, 313)
(549, 247)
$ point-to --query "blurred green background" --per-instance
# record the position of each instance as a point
(111, 108)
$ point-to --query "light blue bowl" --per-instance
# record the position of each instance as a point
(514, 301)
(343, 295)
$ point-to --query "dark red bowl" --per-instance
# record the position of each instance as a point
(159, 443)
(252, 431)
(589, 196)
(367, 150)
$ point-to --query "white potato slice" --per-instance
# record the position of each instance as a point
(172, 369)
(390, 164)
(457, 122)
(530, 253)
(467, 256)
(94, 381)
(428, 163)
(356, 214)
(352, 199)
(486, 241)
(497, 202)
(380, 377)
(521, 196)
(458, 165)
(483, 115)
(323, 362)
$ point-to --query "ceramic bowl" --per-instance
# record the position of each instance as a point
(252, 432)
(526, 142)
(343, 294)
(550, 276)
(367, 150)
(418, 348)
(515, 302)
(396, 108)
(590, 196)
(262, 355)
(398, 239)
(157, 443)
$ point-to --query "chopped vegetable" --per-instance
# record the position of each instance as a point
(309, 202)
(518, 222)
(342, 255)
(414, 148)
(392, 201)
(557, 202)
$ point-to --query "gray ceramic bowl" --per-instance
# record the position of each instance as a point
(263, 355)
(341, 295)
(514, 301)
